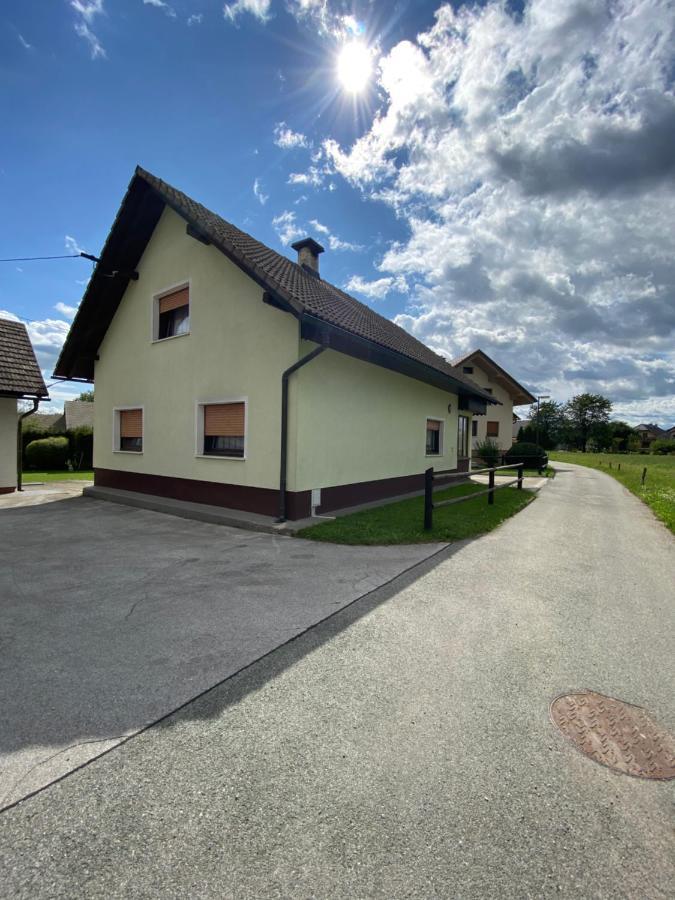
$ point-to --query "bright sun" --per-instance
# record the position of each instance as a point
(354, 66)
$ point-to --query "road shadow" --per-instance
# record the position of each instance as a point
(112, 618)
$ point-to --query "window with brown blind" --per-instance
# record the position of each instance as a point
(493, 429)
(434, 432)
(224, 429)
(172, 314)
(130, 430)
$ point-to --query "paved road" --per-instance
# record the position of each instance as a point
(402, 748)
(111, 617)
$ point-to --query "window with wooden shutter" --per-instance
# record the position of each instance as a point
(173, 314)
(224, 429)
(493, 429)
(131, 430)
(433, 446)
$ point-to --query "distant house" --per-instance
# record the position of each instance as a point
(648, 434)
(497, 424)
(76, 414)
(517, 425)
(228, 374)
(20, 378)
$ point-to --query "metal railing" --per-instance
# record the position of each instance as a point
(430, 476)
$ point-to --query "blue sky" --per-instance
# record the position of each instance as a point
(504, 178)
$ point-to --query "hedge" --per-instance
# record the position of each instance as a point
(529, 454)
(48, 453)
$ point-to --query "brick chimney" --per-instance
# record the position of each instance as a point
(308, 254)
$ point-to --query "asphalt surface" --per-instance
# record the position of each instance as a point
(111, 617)
(402, 748)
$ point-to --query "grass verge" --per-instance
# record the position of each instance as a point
(402, 522)
(659, 490)
(56, 475)
(548, 472)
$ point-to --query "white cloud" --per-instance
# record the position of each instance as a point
(195, 19)
(334, 242)
(86, 11)
(258, 192)
(312, 177)
(65, 310)
(160, 4)
(72, 246)
(24, 43)
(286, 138)
(47, 337)
(6, 314)
(378, 289)
(286, 226)
(258, 8)
(531, 160)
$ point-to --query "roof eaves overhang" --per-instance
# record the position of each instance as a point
(519, 394)
(332, 336)
(24, 395)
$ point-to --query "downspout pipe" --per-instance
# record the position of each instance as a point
(19, 448)
(284, 427)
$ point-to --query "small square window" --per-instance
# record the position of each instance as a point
(493, 429)
(434, 433)
(468, 370)
(172, 314)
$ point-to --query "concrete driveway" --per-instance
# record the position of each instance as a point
(111, 617)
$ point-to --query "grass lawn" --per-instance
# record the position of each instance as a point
(659, 490)
(56, 475)
(402, 522)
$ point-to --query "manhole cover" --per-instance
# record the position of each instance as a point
(615, 734)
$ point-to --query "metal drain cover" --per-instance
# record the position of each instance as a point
(615, 734)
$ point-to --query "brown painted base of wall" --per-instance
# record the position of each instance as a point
(7, 490)
(264, 501)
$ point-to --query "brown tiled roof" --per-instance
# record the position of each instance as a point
(20, 375)
(519, 394)
(303, 290)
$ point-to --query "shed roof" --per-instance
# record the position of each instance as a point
(20, 374)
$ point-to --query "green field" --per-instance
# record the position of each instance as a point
(659, 489)
(402, 522)
(56, 475)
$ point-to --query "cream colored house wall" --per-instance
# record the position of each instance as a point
(237, 348)
(358, 422)
(8, 423)
(502, 414)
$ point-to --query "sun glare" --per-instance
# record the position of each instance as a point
(354, 66)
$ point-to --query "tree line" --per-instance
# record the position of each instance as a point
(582, 423)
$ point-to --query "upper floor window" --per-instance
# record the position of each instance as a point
(172, 313)
(468, 370)
(223, 427)
(434, 446)
(128, 430)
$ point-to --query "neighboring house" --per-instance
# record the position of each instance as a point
(227, 374)
(648, 434)
(76, 414)
(497, 424)
(20, 378)
(669, 434)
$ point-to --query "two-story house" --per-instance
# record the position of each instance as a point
(228, 374)
(497, 423)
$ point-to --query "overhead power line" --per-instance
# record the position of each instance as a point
(32, 258)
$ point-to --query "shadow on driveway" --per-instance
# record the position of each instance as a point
(114, 617)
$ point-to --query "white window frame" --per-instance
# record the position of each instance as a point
(116, 429)
(441, 437)
(154, 314)
(199, 429)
